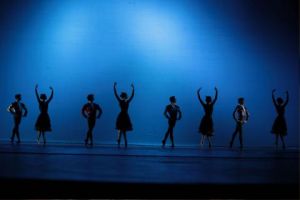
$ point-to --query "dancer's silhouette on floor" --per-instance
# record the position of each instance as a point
(18, 110)
(241, 116)
(206, 127)
(172, 113)
(43, 122)
(279, 127)
(91, 111)
(123, 123)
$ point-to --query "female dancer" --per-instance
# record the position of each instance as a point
(91, 111)
(206, 127)
(123, 123)
(43, 123)
(16, 109)
(279, 127)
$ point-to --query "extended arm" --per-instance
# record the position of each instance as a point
(132, 93)
(51, 96)
(216, 96)
(287, 98)
(199, 97)
(115, 92)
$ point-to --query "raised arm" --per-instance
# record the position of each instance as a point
(216, 96)
(99, 111)
(287, 98)
(165, 113)
(273, 97)
(199, 97)
(51, 96)
(132, 93)
(36, 93)
(115, 92)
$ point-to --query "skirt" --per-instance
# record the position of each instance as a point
(43, 123)
(279, 126)
(206, 126)
(123, 122)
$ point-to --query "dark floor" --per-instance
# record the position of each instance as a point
(220, 172)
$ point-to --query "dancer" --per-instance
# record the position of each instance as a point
(206, 127)
(16, 109)
(123, 123)
(279, 127)
(89, 111)
(43, 123)
(241, 118)
(172, 113)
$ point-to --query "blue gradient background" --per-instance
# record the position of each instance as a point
(170, 47)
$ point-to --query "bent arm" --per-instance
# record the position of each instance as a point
(132, 95)
(99, 112)
(116, 93)
(51, 96)
(199, 97)
(83, 112)
(165, 113)
(25, 110)
(233, 114)
(9, 108)
(216, 96)
(179, 114)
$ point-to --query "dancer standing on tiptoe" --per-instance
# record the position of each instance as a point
(91, 111)
(43, 122)
(279, 127)
(172, 113)
(206, 127)
(16, 109)
(123, 123)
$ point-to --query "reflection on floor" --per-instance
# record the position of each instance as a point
(220, 169)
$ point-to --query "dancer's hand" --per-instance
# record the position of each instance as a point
(132, 85)
(273, 91)
(115, 84)
(51, 88)
(36, 86)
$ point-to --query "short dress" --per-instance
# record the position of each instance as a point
(123, 122)
(279, 126)
(43, 122)
(206, 125)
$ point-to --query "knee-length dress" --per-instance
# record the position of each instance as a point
(123, 122)
(279, 126)
(43, 122)
(206, 125)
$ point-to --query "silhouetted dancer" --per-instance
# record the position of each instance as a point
(91, 111)
(18, 110)
(172, 113)
(43, 123)
(279, 127)
(206, 127)
(123, 123)
(241, 116)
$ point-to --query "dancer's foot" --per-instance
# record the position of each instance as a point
(18, 142)
(163, 143)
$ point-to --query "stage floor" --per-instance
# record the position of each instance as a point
(152, 165)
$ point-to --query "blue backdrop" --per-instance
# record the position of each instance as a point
(170, 47)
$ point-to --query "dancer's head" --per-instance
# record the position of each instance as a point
(18, 97)
(279, 101)
(90, 97)
(43, 97)
(173, 99)
(124, 95)
(241, 100)
(208, 99)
